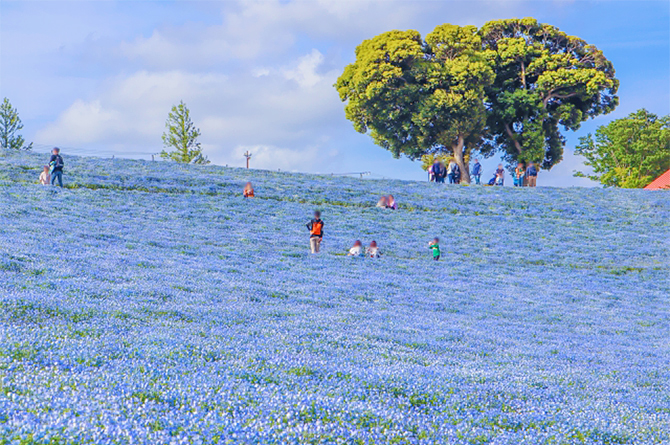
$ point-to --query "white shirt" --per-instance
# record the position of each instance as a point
(44, 178)
(373, 252)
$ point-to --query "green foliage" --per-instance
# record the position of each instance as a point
(418, 97)
(629, 152)
(544, 78)
(504, 88)
(182, 137)
(10, 125)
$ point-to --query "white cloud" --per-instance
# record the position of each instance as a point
(82, 123)
(284, 114)
(305, 73)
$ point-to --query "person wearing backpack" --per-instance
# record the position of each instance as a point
(457, 174)
(450, 172)
(531, 174)
(315, 227)
(56, 167)
(477, 171)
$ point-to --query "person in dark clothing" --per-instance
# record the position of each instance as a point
(457, 174)
(56, 167)
(531, 175)
(315, 227)
(439, 171)
(477, 171)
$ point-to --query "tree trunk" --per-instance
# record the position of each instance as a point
(513, 138)
(457, 148)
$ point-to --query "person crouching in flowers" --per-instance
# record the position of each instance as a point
(356, 250)
(373, 251)
(390, 203)
(434, 245)
(248, 191)
(383, 202)
(45, 177)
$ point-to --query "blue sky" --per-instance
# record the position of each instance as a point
(99, 77)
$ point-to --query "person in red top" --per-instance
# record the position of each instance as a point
(248, 191)
(315, 227)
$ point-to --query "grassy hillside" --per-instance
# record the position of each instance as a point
(148, 303)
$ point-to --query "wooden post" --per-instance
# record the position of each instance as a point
(247, 155)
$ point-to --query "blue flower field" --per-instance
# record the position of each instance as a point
(149, 303)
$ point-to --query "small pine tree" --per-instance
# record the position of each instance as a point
(181, 137)
(10, 125)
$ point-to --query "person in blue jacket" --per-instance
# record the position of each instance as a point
(56, 167)
(477, 171)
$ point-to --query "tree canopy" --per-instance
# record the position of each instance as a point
(181, 136)
(419, 97)
(629, 152)
(544, 79)
(505, 88)
(10, 125)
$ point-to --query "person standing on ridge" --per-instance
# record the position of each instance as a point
(500, 175)
(439, 171)
(451, 174)
(56, 166)
(477, 171)
(519, 172)
(315, 227)
(531, 174)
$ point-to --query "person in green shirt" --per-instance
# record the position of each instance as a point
(435, 247)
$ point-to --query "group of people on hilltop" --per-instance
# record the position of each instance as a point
(438, 172)
(523, 176)
(53, 172)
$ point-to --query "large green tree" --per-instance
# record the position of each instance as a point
(418, 97)
(629, 152)
(10, 125)
(544, 79)
(181, 137)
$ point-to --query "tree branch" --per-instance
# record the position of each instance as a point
(551, 95)
(511, 135)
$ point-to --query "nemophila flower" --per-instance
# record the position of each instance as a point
(142, 308)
